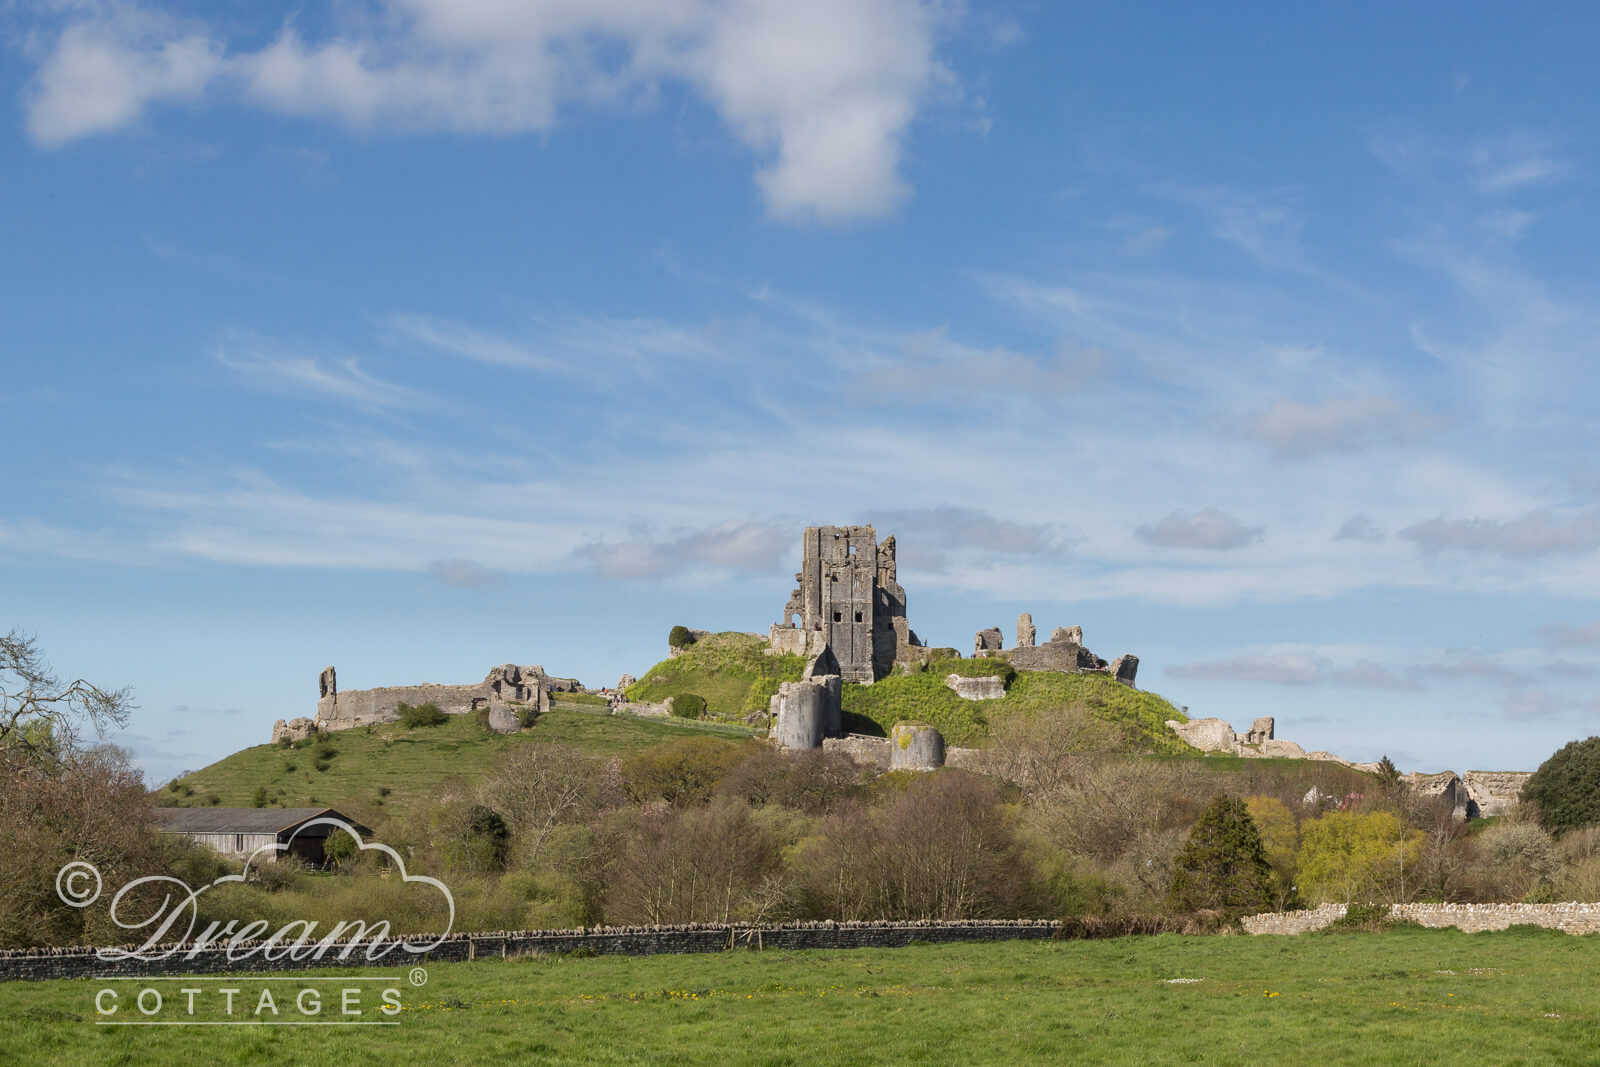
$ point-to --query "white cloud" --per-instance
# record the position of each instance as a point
(822, 93)
(748, 546)
(1358, 528)
(1294, 430)
(1293, 668)
(1564, 635)
(102, 74)
(464, 573)
(1540, 532)
(1207, 528)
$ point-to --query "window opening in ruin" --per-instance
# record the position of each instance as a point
(858, 616)
(838, 617)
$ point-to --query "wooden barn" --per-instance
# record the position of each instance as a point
(240, 831)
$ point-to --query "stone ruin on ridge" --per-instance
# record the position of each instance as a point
(505, 692)
(1064, 652)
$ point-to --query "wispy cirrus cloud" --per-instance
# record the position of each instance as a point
(339, 378)
(458, 339)
(933, 363)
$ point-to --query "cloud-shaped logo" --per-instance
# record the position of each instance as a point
(295, 940)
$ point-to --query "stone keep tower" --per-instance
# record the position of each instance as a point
(847, 592)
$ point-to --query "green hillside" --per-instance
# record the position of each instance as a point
(732, 671)
(734, 674)
(1140, 715)
(391, 768)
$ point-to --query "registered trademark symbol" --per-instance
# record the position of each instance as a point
(418, 976)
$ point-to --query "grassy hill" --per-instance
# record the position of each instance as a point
(734, 674)
(1142, 716)
(732, 671)
(391, 768)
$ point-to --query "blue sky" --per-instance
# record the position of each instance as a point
(424, 335)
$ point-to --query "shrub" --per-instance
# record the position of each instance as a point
(1223, 865)
(1566, 787)
(680, 637)
(415, 715)
(276, 877)
(680, 772)
(259, 798)
(689, 706)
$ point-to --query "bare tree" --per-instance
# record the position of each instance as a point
(42, 717)
(540, 788)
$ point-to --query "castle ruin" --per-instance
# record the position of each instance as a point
(846, 600)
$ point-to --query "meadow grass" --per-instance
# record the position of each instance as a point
(412, 764)
(1401, 997)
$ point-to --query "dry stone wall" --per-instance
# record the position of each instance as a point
(1574, 917)
(40, 964)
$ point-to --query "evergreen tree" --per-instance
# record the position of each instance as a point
(1223, 864)
(1566, 787)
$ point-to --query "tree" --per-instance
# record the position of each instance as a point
(41, 716)
(1566, 787)
(1223, 865)
(680, 637)
(1349, 856)
(1280, 839)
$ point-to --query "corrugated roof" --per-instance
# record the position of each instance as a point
(240, 820)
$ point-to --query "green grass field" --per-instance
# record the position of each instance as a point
(412, 763)
(1402, 997)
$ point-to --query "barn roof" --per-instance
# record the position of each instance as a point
(242, 820)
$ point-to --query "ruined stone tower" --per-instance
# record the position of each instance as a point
(848, 600)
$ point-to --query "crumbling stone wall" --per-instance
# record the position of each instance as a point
(1493, 792)
(846, 591)
(506, 689)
